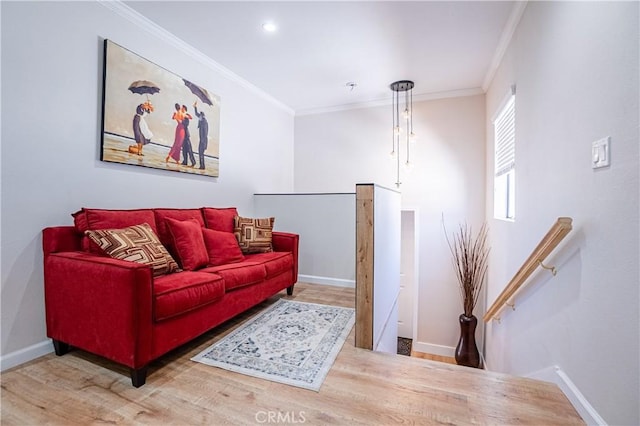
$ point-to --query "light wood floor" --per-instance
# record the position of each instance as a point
(363, 387)
(439, 358)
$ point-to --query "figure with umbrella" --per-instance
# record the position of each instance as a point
(141, 132)
(203, 125)
(203, 131)
(201, 93)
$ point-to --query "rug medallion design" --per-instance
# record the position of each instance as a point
(290, 342)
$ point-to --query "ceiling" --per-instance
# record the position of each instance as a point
(320, 46)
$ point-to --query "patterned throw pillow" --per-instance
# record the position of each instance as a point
(136, 243)
(254, 235)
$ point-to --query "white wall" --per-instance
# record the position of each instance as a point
(386, 268)
(575, 65)
(326, 224)
(334, 151)
(51, 99)
(409, 258)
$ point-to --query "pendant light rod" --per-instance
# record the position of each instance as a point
(405, 86)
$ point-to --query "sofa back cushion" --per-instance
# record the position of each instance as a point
(188, 243)
(161, 216)
(222, 247)
(219, 219)
(96, 219)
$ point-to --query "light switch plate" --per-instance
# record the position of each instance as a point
(601, 153)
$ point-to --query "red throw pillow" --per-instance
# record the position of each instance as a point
(188, 243)
(222, 247)
(161, 216)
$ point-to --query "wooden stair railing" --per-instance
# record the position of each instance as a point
(550, 241)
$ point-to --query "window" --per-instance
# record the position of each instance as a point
(504, 184)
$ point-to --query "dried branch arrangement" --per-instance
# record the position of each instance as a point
(470, 260)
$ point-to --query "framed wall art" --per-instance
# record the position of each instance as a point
(154, 118)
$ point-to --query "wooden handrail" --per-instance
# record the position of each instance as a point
(550, 241)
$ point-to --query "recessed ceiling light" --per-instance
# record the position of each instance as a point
(269, 27)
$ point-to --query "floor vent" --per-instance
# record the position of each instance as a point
(404, 346)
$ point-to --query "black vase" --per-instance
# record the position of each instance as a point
(467, 351)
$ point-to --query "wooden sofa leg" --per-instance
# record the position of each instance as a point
(59, 347)
(138, 376)
(290, 290)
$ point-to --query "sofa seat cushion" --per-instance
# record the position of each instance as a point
(275, 262)
(185, 291)
(240, 274)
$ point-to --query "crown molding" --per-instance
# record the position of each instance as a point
(387, 101)
(503, 43)
(144, 23)
(120, 8)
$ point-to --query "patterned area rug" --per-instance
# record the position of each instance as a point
(290, 342)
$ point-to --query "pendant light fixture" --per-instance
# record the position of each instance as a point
(403, 135)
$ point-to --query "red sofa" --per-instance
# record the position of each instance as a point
(118, 309)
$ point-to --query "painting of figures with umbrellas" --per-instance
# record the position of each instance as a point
(152, 117)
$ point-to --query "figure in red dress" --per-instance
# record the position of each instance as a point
(174, 153)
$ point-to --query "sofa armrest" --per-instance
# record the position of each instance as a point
(285, 241)
(100, 304)
(60, 238)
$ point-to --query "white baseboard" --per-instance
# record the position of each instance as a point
(554, 374)
(337, 282)
(429, 348)
(27, 354)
